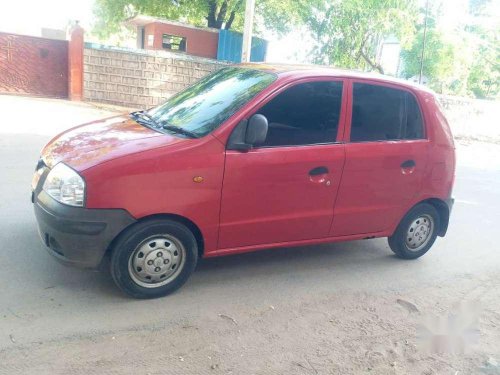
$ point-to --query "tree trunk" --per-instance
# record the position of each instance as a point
(222, 15)
(212, 10)
(230, 20)
(232, 15)
(374, 65)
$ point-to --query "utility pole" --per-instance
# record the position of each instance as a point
(423, 43)
(247, 31)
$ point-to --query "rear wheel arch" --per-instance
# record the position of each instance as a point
(416, 232)
(444, 214)
(443, 211)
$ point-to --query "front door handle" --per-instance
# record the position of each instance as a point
(408, 164)
(318, 170)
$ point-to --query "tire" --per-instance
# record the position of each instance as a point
(153, 258)
(416, 232)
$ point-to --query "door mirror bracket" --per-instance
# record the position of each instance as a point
(240, 147)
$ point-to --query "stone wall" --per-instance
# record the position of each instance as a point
(139, 78)
(472, 119)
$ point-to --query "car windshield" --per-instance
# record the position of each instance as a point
(204, 106)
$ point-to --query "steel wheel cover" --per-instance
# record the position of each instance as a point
(157, 261)
(419, 233)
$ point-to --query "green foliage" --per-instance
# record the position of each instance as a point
(283, 16)
(438, 59)
(277, 15)
(478, 7)
(348, 32)
(111, 13)
(484, 77)
(462, 62)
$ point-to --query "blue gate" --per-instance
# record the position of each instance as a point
(231, 42)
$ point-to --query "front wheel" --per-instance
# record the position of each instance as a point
(416, 232)
(153, 258)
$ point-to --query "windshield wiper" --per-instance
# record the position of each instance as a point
(177, 129)
(149, 121)
(144, 117)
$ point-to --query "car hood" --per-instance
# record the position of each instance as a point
(90, 144)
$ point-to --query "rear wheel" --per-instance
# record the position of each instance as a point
(154, 258)
(416, 232)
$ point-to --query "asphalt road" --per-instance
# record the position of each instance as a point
(45, 303)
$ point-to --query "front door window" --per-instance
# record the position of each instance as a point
(304, 114)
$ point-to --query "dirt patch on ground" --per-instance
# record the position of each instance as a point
(350, 333)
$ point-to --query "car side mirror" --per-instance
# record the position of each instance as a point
(248, 133)
(256, 130)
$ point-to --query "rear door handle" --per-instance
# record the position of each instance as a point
(408, 164)
(318, 170)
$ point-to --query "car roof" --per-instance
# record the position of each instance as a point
(309, 70)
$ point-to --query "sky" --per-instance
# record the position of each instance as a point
(29, 16)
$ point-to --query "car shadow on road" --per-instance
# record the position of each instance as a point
(272, 265)
(292, 254)
(305, 266)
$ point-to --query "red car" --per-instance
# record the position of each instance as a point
(251, 157)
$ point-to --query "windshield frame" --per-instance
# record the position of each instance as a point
(267, 79)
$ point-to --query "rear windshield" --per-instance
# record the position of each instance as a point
(203, 107)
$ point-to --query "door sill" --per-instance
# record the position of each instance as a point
(251, 248)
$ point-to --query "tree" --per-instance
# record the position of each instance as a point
(449, 70)
(484, 77)
(438, 59)
(438, 54)
(478, 7)
(348, 32)
(277, 15)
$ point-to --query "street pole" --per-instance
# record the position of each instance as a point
(423, 43)
(247, 31)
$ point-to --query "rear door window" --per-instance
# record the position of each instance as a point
(383, 113)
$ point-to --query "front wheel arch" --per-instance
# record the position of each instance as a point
(156, 249)
(178, 218)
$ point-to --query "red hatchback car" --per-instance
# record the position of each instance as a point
(250, 157)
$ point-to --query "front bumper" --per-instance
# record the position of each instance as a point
(77, 236)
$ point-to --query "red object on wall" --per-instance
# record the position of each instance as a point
(33, 66)
(75, 64)
(200, 41)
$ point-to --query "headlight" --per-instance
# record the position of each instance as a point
(65, 185)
